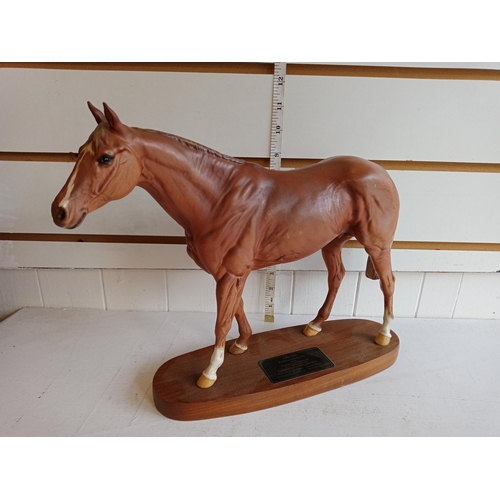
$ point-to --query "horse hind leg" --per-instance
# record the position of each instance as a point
(370, 270)
(332, 255)
(381, 260)
(245, 330)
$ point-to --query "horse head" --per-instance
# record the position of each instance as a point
(106, 169)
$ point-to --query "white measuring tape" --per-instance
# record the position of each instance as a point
(277, 114)
(275, 164)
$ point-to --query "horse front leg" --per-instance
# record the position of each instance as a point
(228, 293)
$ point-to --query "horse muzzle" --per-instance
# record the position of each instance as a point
(64, 219)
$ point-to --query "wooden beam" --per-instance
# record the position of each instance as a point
(393, 72)
(254, 68)
(38, 157)
(180, 240)
(430, 166)
(94, 238)
(424, 166)
(266, 68)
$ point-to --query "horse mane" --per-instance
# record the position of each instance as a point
(198, 147)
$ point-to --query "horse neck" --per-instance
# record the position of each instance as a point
(186, 181)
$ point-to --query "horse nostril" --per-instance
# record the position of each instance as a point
(61, 214)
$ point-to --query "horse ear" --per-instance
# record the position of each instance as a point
(98, 114)
(113, 120)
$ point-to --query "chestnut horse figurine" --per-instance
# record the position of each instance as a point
(239, 216)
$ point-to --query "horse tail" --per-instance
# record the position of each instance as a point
(370, 270)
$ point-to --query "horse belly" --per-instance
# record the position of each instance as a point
(289, 244)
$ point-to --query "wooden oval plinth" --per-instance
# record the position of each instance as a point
(242, 386)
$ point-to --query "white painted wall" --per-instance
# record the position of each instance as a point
(385, 119)
(46, 110)
(392, 118)
(418, 295)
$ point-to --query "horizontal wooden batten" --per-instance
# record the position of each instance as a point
(180, 240)
(94, 238)
(253, 68)
(442, 245)
(392, 72)
(266, 68)
(437, 166)
(424, 166)
(39, 157)
(428, 166)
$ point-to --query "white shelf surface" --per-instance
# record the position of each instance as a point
(67, 372)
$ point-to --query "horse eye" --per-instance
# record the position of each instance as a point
(105, 159)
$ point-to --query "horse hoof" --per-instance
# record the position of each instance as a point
(311, 331)
(382, 339)
(204, 382)
(235, 349)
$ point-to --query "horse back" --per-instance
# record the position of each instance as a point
(364, 180)
(340, 178)
(311, 206)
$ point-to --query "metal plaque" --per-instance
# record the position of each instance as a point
(295, 364)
